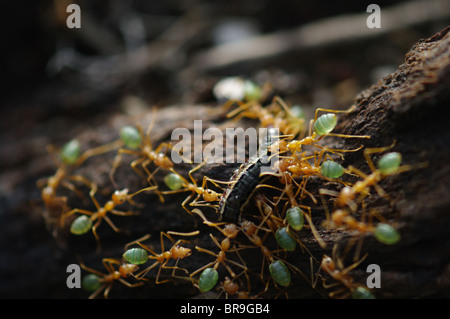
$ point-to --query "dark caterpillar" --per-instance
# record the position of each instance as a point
(247, 177)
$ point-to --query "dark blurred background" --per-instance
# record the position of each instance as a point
(315, 53)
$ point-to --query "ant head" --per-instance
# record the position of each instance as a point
(248, 227)
(346, 195)
(338, 216)
(210, 195)
(230, 287)
(230, 230)
(119, 197)
(327, 263)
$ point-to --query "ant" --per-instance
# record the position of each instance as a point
(318, 129)
(178, 183)
(83, 225)
(272, 115)
(176, 252)
(333, 267)
(389, 164)
(68, 160)
(140, 145)
(279, 271)
(292, 202)
(230, 231)
(99, 281)
(231, 288)
(383, 232)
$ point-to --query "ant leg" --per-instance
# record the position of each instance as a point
(377, 187)
(95, 293)
(206, 221)
(151, 180)
(138, 241)
(118, 160)
(167, 146)
(94, 200)
(73, 188)
(134, 165)
(157, 281)
(110, 262)
(334, 134)
(354, 265)
(170, 232)
(316, 234)
(97, 151)
(241, 107)
(150, 125)
(175, 267)
(83, 180)
(94, 231)
(319, 109)
(144, 272)
(78, 178)
(91, 270)
(120, 213)
(369, 151)
(193, 170)
(126, 283)
(130, 196)
(183, 204)
(205, 266)
(314, 230)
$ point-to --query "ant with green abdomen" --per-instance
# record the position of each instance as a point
(98, 281)
(83, 224)
(230, 231)
(67, 160)
(279, 269)
(178, 184)
(389, 164)
(140, 145)
(176, 252)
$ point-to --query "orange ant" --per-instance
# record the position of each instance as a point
(176, 252)
(82, 225)
(288, 190)
(231, 288)
(271, 116)
(68, 160)
(342, 217)
(334, 268)
(279, 269)
(140, 145)
(319, 128)
(383, 232)
(178, 183)
(230, 231)
(98, 281)
(389, 164)
(272, 220)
